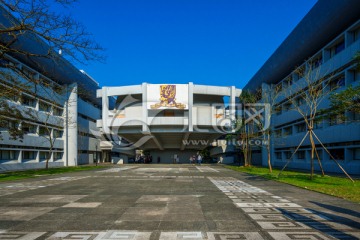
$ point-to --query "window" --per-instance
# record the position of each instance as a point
(338, 154)
(28, 128)
(44, 156)
(278, 133)
(355, 116)
(58, 89)
(43, 131)
(57, 111)
(5, 125)
(357, 154)
(58, 155)
(287, 106)
(357, 34)
(300, 155)
(300, 72)
(44, 107)
(58, 133)
(318, 124)
(278, 110)
(29, 155)
(316, 62)
(278, 155)
(301, 127)
(337, 83)
(28, 101)
(7, 155)
(299, 101)
(336, 119)
(288, 131)
(287, 154)
(288, 81)
(337, 48)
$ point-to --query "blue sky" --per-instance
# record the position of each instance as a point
(179, 41)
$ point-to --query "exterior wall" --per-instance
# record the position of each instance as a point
(88, 143)
(344, 136)
(67, 114)
(203, 118)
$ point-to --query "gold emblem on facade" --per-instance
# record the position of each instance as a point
(167, 98)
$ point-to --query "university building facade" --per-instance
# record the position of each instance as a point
(326, 40)
(166, 119)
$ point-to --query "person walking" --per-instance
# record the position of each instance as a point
(199, 159)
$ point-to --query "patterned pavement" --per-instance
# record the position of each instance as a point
(170, 202)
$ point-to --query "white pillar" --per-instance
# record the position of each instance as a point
(191, 103)
(105, 111)
(71, 145)
(232, 103)
(144, 108)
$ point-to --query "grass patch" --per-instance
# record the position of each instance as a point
(10, 176)
(335, 186)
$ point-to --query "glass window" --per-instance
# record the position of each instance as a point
(57, 111)
(58, 155)
(288, 131)
(336, 119)
(44, 107)
(287, 106)
(357, 154)
(28, 128)
(300, 155)
(58, 133)
(338, 154)
(7, 155)
(43, 131)
(278, 133)
(316, 62)
(337, 48)
(44, 155)
(29, 155)
(287, 154)
(318, 124)
(28, 101)
(337, 83)
(278, 155)
(301, 127)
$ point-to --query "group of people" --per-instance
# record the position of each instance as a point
(195, 159)
(143, 159)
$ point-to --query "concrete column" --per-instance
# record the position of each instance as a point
(71, 145)
(105, 111)
(144, 107)
(232, 104)
(37, 156)
(191, 104)
(20, 157)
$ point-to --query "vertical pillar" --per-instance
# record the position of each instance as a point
(20, 157)
(191, 103)
(71, 145)
(105, 110)
(144, 107)
(232, 106)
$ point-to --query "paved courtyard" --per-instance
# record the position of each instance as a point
(170, 202)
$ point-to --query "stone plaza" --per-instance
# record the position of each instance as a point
(170, 202)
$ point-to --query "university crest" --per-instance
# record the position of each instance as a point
(168, 98)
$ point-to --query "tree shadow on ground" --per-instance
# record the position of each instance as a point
(317, 225)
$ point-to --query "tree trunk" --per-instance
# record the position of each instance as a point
(269, 153)
(312, 155)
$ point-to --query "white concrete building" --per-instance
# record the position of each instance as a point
(165, 119)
